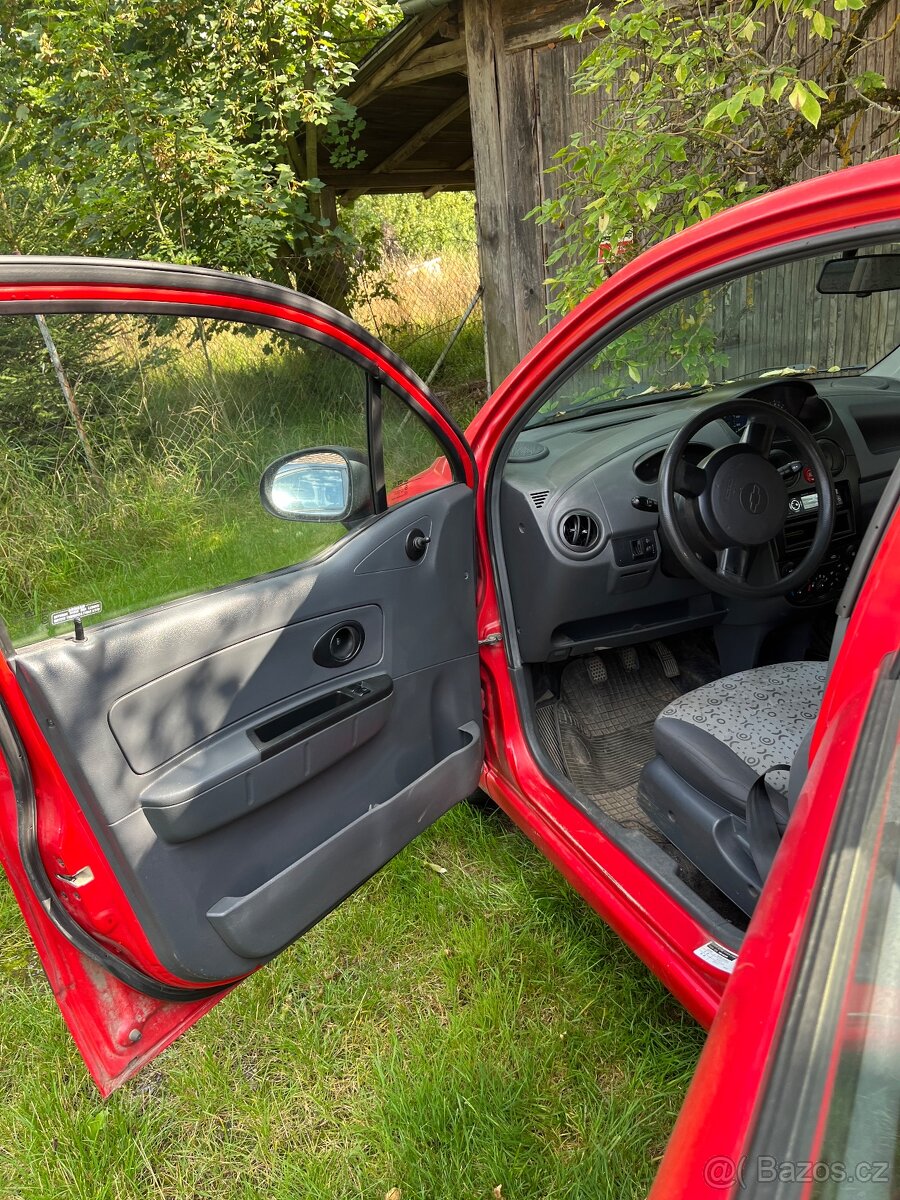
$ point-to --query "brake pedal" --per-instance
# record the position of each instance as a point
(596, 669)
(628, 657)
(667, 660)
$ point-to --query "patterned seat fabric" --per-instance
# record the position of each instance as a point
(761, 715)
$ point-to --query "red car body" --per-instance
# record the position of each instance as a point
(118, 1029)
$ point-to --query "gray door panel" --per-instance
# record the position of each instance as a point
(239, 788)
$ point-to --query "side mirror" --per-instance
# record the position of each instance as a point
(327, 484)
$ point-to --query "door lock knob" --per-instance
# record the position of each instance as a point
(417, 543)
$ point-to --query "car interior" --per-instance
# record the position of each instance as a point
(675, 522)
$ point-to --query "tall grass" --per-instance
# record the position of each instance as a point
(193, 424)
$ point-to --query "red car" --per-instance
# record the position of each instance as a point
(650, 600)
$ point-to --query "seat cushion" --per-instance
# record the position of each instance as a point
(761, 716)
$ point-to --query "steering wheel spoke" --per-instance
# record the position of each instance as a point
(690, 480)
(759, 435)
(734, 562)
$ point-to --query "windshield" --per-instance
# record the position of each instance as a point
(771, 322)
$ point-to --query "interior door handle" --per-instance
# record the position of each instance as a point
(339, 645)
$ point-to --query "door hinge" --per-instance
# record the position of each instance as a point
(494, 639)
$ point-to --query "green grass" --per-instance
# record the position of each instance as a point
(440, 1034)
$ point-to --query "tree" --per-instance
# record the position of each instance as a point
(186, 130)
(711, 102)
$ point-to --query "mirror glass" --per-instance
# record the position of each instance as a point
(313, 485)
(860, 275)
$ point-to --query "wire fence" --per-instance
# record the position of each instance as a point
(427, 309)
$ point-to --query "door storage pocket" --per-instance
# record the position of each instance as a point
(259, 924)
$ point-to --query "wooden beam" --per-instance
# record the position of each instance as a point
(416, 142)
(398, 181)
(449, 58)
(528, 25)
(467, 166)
(377, 77)
(484, 46)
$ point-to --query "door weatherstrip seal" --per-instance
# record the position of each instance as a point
(26, 815)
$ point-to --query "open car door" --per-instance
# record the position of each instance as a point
(190, 785)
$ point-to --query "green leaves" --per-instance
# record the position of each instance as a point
(707, 106)
(171, 130)
(804, 102)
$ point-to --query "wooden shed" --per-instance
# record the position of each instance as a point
(476, 95)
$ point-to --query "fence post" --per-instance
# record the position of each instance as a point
(68, 395)
(455, 334)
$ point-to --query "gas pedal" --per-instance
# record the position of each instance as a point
(628, 657)
(596, 669)
(667, 661)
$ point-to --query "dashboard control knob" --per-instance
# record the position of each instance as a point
(645, 503)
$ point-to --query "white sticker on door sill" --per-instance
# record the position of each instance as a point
(717, 956)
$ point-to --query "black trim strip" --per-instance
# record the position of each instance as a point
(375, 424)
(26, 811)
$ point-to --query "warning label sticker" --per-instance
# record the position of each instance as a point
(717, 956)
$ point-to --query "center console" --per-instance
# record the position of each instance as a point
(828, 581)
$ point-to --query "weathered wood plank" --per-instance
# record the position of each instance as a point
(527, 26)
(447, 58)
(412, 145)
(520, 135)
(468, 165)
(373, 79)
(484, 46)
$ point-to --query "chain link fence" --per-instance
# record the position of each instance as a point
(426, 309)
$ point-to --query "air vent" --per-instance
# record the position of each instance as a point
(539, 499)
(580, 531)
(833, 455)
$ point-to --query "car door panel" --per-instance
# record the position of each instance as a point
(263, 921)
(168, 715)
(155, 722)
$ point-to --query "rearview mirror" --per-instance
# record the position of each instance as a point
(861, 275)
(326, 484)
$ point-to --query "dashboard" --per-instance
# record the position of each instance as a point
(586, 564)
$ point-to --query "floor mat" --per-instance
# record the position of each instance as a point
(604, 726)
(600, 734)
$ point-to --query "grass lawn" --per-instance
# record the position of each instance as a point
(439, 1033)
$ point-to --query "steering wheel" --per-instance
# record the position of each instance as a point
(735, 501)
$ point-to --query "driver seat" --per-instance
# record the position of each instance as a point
(732, 756)
(739, 743)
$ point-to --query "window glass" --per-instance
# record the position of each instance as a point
(413, 458)
(131, 452)
(777, 321)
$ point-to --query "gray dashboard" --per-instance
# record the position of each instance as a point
(586, 564)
